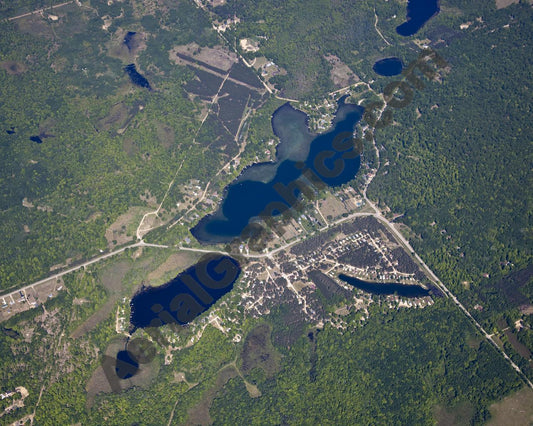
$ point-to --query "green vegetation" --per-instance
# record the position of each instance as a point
(379, 374)
(100, 155)
(459, 173)
(297, 38)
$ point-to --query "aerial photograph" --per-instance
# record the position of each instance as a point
(266, 212)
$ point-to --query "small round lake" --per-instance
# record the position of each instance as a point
(388, 66)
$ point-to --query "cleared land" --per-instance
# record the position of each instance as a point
(515, 410)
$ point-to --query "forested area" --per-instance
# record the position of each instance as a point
(456, 163)
(103, 151)
(297, 38)
(382, 374)
(460, 171)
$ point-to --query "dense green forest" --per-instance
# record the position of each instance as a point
(455, 163)
(400, 368)
(298, 38)
(103, 152)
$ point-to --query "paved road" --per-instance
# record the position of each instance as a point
(82, 265)
(39, 11)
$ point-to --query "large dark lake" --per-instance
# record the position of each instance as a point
(386, 288)
(187, 295)
(418, 13)
(299, 149)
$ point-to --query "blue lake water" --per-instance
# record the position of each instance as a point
(126, 366)
(137, 78)
(187, 295)
(128, 38)
(386, 288)
(261, 189)
(418, 13)
(388, 66)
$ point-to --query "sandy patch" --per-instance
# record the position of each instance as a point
(500, 4)
(249, 45)
(526, 309)
(218, 57)
(340, 73)
(515, 410)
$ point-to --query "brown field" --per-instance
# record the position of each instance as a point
(292, 230)
(117, 116)
(340, 73)
(218, 57)
(514, 410)
(12, 67)
(35, 25)
(331, 207)
(453, 416)
(500, 4)
(111, 278)
(99, 382)
(122, 230)
(174, 264)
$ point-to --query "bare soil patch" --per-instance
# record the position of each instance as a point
(121, 231)
(215, 3)
(175, 263)
(341, 74)
(249, 45)
(332, 208)
(500, 4)
(99, 382)
(515, 410)
(35, 25)
(13, 303)
(117, 49)
(118, 118)
(13, 67)
(292, 230)
(453, 416)
(219, 56)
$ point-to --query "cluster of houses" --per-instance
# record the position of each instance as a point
(284, 279)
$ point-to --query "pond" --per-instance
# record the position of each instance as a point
(136, 78)
(388, 66)
(404, 290)
(418, 13)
